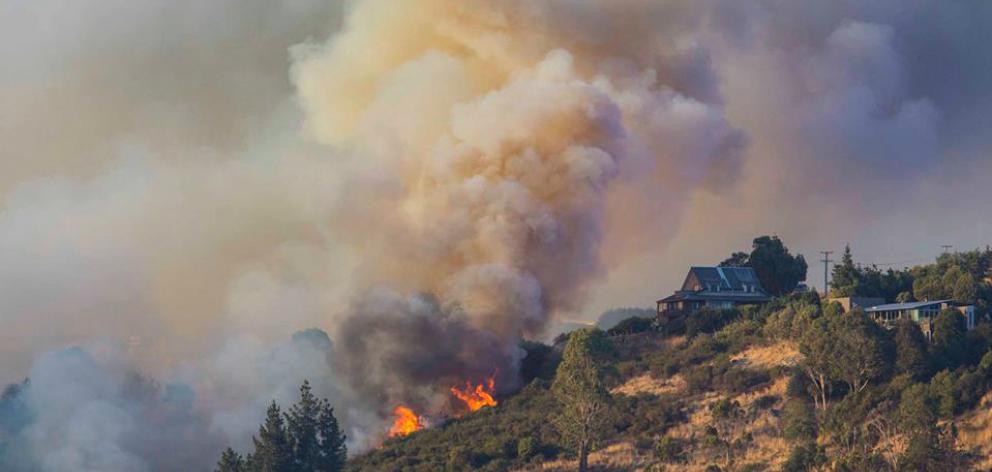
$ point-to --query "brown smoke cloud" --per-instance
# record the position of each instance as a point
(496, 139)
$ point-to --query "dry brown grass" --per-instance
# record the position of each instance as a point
(645, 384)
(621, 456)
(975, 433)
(778, 354)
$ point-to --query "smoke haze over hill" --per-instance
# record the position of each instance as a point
(187, 185)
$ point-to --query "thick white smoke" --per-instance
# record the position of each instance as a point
(192, 183)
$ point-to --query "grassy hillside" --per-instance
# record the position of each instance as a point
(732, 391)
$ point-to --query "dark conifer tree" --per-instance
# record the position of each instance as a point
(231, 461)
(302, 426)
(273, 452)
(332, 451)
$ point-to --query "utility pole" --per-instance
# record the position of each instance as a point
(946, 248)
(826, 270)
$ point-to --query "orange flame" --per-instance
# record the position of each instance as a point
(477, 397)
(406, 422)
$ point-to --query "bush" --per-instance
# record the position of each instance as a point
(804, 458)
(708, 320)
(459, 459)
(740, 334)
(540, 361)
(799, 421)
(765, 402)
(632, 325)
(527, 447)
(642, 415)
(670, 449)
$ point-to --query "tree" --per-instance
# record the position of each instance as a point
(580, 389)
(728, 420)
(331, 450)
(861, 351)
(778, 271)
(273, 452)
(231, 461)
(944, 393)
(846, 276)
(302, 429)
(911, 350)
(737, 259)
(926, 448)
(949, 340)
(305, 439)
(818, 349)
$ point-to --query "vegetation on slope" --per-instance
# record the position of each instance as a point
(791, 386)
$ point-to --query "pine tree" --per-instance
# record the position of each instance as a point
(231, 461)
(332, 452)
(846, 276)
(302, 428)
(273, 452)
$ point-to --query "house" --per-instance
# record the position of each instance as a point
(923, 313)
(714, 287)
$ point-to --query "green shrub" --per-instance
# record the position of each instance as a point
(708, 320)
(670, 449)
(799, 421)
(527, 447)
(632, 325)
(804, 458)
(459, 459)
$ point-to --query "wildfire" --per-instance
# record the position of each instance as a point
(478, 396)
(406, 422)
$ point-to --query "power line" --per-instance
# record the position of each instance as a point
(826, 270)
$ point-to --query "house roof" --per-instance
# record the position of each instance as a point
(906, 306)
(727, 278)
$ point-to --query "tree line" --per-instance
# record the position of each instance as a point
(307, 438)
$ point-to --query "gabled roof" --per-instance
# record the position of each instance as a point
(727, 278)
(906, 306)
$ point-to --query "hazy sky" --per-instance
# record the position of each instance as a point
(192, 182)
(160, 171)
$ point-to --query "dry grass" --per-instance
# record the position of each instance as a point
(975, 433)
(768, 447)
(621, 456)
(778, 354)
(645, 384)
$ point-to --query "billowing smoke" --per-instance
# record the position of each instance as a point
(187, 185)
(497, 147)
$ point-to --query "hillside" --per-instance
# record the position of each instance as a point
(730, 391)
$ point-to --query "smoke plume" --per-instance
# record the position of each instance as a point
(187, 185)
